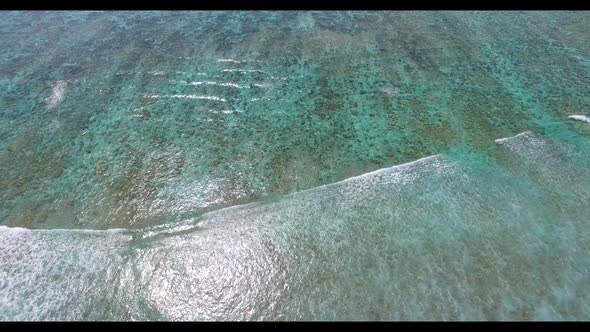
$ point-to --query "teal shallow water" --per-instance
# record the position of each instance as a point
(231, 155)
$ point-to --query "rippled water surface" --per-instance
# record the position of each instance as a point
(294, 165)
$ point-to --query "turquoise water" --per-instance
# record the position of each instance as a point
(294, 165)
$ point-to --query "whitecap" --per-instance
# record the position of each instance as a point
(580, 118)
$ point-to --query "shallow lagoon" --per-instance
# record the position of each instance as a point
(242, 165)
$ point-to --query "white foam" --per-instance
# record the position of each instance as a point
(153, 72)
(57, 94)
(229, 60)
(12, 229)
(231, 85)
(4, 228)
(244, 70)
(236, 61)
(580, 118)
(390, 91)
(188, 97)
(226, 111)
(56, 274)
(262, 85)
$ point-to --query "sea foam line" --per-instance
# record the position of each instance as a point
(353, 178)
(226, 111)
(372, 173)
(505, 139)
(229, 60)
(243, 70)
(232, 85)
(59, 230)
(188, 97)
(236, 61)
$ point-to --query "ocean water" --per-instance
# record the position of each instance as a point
(294, 165)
